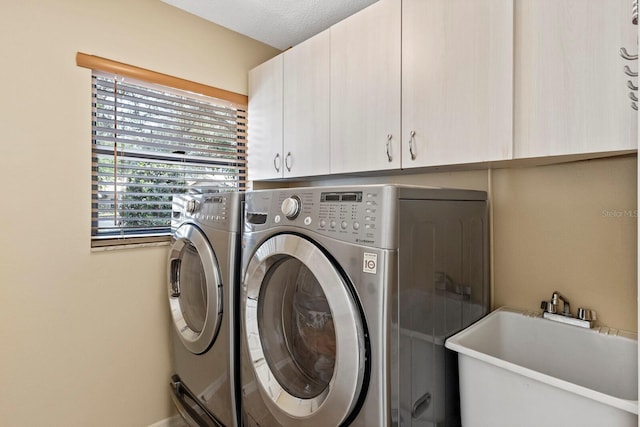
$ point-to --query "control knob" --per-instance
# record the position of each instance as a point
(192, 206)
(291, 207)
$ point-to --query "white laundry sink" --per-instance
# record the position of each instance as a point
(517, 369)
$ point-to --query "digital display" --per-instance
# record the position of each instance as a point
(349, 196)
(215, 199)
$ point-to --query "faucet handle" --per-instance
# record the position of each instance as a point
(586, 314)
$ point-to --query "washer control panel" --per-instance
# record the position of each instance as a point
(350, 215)
(365, 215)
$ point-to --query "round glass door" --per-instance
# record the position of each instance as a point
(296, 326)
(194, 287)
(311, 354)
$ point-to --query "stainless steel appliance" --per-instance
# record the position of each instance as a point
(203, 270)
(348, 294)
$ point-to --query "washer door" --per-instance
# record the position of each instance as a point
(304, 332)
(194, 289)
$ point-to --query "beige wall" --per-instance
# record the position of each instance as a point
(84, 335)
(571, 228)
(566, 227)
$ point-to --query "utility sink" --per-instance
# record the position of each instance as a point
(518, 369)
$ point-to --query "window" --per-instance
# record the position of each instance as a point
(151, 141)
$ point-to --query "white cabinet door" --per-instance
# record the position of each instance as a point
(306, 108)
(365, 90)
(457, 81)
(571, 93)
(265, 120)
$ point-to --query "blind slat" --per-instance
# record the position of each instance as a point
(168, 118)
(159, 157)
(105, 175)
(106, 135)
(187, 131)
(179, 104)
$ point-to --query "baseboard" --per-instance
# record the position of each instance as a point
(175, 421)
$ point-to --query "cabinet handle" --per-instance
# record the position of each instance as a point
(626, 55)
(388, 147)
(631, 86)
(634, 106)
(630, 73)
(286, 161)
(633, 97)
(412, 137)
(276, 162)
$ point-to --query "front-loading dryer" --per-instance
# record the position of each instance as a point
(347, 295)
(203, 270)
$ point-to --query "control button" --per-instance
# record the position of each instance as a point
(344, 225)
(291, 207)
(356, 225)
(307, 221)
(276, 219)
(332, 224)
(323, 223)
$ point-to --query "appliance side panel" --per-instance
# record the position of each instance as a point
(443, 288)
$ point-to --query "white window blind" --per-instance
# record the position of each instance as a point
(151, 142)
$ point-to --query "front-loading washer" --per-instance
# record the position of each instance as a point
(347, 296)
(203, 271)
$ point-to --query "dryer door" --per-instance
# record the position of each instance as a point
(305, 333)
(194, 289)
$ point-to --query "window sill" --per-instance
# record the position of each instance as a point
(131, 243)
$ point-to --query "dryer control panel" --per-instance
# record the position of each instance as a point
(216, 210)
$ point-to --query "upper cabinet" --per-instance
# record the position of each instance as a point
(457, 81)
(428, 83)
(365, 90)
(289, 127)
(265, 120)
(306, 108)
(571, 93)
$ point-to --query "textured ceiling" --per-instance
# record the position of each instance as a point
(278, 23)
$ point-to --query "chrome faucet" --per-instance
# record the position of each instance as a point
(566, 308)
(584, 318)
